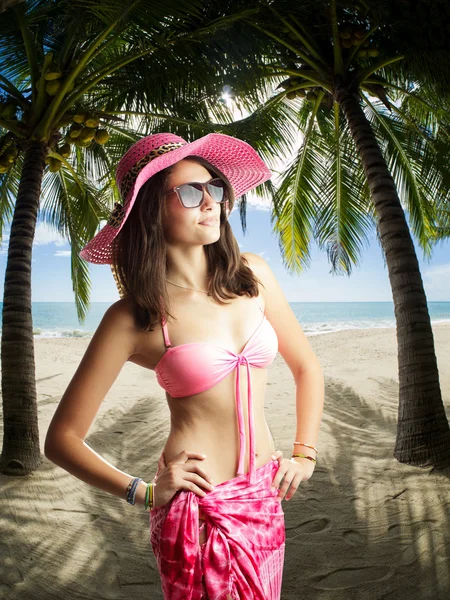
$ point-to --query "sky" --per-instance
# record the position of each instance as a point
(369, 282)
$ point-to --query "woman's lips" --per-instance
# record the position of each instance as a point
(209, 223)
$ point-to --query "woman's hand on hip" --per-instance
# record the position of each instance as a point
(179, 474)
(293, 473)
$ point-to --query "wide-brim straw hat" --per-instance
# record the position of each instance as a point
(236, 159)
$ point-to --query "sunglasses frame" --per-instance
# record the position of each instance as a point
(203, 185)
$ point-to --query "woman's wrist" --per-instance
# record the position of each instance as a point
(302, 455)
(305, 450)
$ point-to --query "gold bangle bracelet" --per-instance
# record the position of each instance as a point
(307, 445)
(304, 456)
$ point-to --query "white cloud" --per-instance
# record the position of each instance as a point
(44, 234)
(63, 253)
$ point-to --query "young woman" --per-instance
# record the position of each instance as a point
(208, 321)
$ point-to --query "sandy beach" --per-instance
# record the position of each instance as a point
(364, 527)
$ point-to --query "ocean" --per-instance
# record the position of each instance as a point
(59, 319)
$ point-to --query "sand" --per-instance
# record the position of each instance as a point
(363, 527)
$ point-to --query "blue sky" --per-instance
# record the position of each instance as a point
(51, 281)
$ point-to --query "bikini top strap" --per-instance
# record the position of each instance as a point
(167, 341)
(258, 304)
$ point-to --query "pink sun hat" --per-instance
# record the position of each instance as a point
(236, 159)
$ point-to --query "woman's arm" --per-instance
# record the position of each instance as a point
(110, 347)
(296, 350)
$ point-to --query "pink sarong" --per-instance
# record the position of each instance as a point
(243, 555)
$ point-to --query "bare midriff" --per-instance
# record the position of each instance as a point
(207, 423)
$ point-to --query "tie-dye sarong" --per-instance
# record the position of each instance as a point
(243, 555)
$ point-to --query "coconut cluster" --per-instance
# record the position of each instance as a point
(9, 152)
(310, 94)
(352, 35)
(54, 78)
(85, 127)
(8, 147)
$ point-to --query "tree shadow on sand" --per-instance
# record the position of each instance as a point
(363, 527)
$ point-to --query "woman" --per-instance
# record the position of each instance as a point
(208, 321)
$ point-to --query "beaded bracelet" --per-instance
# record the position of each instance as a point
(307, 445)
(131, 489)
(304, 456)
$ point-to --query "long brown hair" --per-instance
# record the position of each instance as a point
(140, 258)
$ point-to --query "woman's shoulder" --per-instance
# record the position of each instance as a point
(256, 263)
(123, 308)
(123, 315)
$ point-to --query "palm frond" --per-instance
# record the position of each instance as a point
(296, 201)
(342, 221)
(413, 169)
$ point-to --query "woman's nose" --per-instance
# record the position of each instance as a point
(208, 200)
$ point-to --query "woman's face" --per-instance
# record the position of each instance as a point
(183, 225)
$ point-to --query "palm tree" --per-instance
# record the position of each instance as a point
(375, 141)
(72, 75)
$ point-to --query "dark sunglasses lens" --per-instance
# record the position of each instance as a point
(190, 195)
(216, 189)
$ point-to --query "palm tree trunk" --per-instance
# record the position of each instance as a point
(423, 434)
(21, 453)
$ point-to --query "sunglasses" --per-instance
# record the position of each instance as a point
(192, 194)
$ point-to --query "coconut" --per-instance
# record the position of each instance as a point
(52, 87)
(311, 96)
(346, 43)
(359, 32)
(362, 53)
(82, 144)
(75, 131)
(53, 72)
(345, 33)
(291, 95)
(79, 117)
(5, 162)
(101, 136)
(12, 152)
(373, 52)
(4, 169)
(356, 41)
(92, 121)
(65, 150)
(65, 120)
(300, 93)
(87, 134)
(286, 84)
(54, 165)
(328, 101)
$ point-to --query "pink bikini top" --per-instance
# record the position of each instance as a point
(192, 368)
